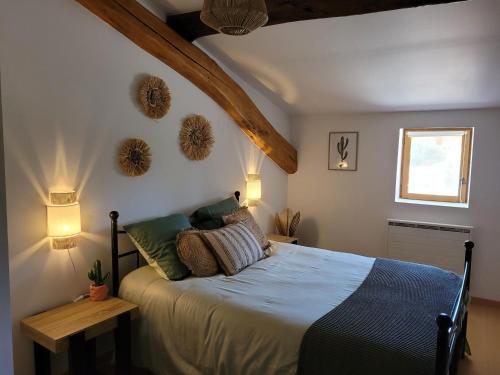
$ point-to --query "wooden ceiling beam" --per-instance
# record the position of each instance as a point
(154, 36)
(190, 26)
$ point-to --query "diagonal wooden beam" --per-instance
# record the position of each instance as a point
(283, 11)
(154, 36)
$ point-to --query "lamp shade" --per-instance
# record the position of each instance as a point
(234, 17)
(63, 221)
(254, 189)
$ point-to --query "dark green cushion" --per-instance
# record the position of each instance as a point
(217, 210)
(157, 238)
(208, 224)
(210, 217)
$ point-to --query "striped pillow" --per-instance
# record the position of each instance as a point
(244, 216)
(235, 247)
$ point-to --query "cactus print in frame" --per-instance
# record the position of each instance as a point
(343, 151)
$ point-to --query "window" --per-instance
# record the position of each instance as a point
(435, 164)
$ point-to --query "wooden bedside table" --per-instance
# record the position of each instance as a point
(280, 238)
(74, 327)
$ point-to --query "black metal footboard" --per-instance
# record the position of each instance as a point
(452, 329)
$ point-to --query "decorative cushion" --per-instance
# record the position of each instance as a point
(209, 224)
(244, 216)
(195, 253)
(155, 240)
(210, 217)
(235, 247)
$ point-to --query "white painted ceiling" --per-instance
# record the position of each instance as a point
(434, 57)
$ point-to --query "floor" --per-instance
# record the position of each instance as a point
(484, 339)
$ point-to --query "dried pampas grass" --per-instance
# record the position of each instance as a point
(294, 224)
(154, 97)
(196, 138)
(286, 222)
(134, 157)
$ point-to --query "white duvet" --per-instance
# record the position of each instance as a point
(250, 323)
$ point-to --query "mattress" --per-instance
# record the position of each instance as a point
(250, 323)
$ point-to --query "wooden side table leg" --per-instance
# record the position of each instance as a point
(123, 344)
(77, 354)
(90, 347)
(42, 360)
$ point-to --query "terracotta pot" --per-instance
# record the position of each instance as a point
(98, 293)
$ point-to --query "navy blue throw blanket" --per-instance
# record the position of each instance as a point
(387, 326)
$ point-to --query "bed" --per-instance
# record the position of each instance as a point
(271, 317)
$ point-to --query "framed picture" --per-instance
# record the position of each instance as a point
(343, 151)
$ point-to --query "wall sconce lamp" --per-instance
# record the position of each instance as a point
(63, 220)
(254, 190)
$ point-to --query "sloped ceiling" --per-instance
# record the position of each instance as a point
(434, 57)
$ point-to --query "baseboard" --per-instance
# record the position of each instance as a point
(485, 302)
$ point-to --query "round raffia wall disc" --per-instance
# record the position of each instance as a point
(196, 138)
(134, 157)
(154, 97)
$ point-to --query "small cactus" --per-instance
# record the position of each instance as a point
(342, 147)
(95, 274)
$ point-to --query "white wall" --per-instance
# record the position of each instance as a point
(348, 210)
(5, 318)
(69, 84)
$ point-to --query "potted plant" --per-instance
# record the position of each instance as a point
(98, 289)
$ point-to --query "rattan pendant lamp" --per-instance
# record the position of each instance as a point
(234, 17)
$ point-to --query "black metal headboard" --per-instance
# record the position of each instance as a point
(116, 255)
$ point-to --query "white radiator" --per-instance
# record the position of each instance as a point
(440, 245)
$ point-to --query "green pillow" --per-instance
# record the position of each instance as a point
(207, 224)
(217, 210)
(155, 239)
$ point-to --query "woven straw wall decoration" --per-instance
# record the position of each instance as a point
(134, 157)
(196, 138)
(154, 97)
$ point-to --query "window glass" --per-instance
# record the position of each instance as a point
(435, 164)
